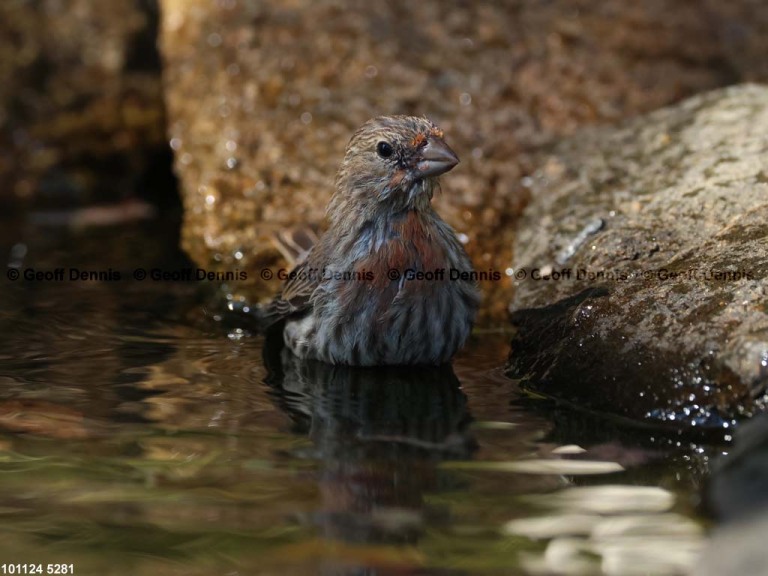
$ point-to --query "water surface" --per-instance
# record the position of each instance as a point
(142, 433)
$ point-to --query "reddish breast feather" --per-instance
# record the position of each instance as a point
(412, 246)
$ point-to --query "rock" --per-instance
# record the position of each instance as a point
(645, 257)
(81, 109)
(262, 101)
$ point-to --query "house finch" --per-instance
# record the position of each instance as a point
(388, 283)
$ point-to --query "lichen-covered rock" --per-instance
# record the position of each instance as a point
(642, 266)
(81, 108)
(263, 97)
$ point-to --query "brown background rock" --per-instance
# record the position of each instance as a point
(81, 110)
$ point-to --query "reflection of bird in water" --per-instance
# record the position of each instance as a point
(379, 435)
(417, 408)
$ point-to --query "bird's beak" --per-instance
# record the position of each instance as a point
(435, 158)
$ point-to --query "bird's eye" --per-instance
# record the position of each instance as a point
(384, 149)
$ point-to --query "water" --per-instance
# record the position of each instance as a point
(139, 435)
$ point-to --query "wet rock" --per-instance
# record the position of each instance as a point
(642, 266)
(81, 109)
(263, 99)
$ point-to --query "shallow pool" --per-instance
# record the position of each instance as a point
(142, 433)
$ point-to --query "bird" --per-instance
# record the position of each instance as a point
(389, 282)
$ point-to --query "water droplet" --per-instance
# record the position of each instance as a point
(371, 72)
(214, 40)
(306, 118)
(526, 182)
(230, 145)
(465, 99)
(477, 153)
(16, 258)
(463, 238)
(18, 251)
(186, 158)
(509, 271)
(238, 255)
(210, 200)
(232, 163)
(175, 143)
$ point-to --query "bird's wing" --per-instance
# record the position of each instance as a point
(295, 296)
(295, 243)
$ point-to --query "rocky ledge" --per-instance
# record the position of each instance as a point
(641, 266)
(262, 100)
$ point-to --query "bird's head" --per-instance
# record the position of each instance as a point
(391, 164)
